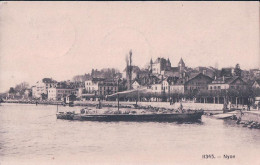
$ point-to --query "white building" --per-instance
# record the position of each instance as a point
(60, 93)
(177, 88)
(92, 85)
(223, 83)
(41, 87)
(165, 86)
(156, 88)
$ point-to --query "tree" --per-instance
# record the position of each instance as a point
(11, 90)
(237, 70)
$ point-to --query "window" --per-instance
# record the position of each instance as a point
(218, 87)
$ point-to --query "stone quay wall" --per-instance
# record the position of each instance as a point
(192, 106)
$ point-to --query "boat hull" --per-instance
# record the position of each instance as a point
(134, 117)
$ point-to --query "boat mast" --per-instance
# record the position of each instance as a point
(57, 107)
(118, 95)
(137, 99)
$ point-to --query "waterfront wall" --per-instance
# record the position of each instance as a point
(192, 106)
(34, 102)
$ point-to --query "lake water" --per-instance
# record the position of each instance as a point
(31, 134)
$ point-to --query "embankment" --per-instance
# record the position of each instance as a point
(33, 102)
(193, 106)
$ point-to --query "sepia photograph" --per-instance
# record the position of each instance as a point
(129, 83)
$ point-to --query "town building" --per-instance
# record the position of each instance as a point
(41, 87)
(166, 83)
(147, 79)
(224, 83)
(197, 83)
(165, 86)
(227, 72)
(156, 88)
(160, 64)
(209, 71)
(92, 85)
(107, 87)
(59, 94)
(178, 86)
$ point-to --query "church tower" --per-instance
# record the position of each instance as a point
(181, 65)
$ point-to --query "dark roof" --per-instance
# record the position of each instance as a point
(180, 81)
(181, 62)
(171, 80)
(200, 74)
(95, 79)
(227, 80)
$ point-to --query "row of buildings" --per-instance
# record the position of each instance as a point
(50, 89)
(160, 77)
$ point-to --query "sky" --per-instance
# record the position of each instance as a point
(63, 39)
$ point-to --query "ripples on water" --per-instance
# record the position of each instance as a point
(30, 134)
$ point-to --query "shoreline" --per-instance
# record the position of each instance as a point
(250, 119)
(208, 108)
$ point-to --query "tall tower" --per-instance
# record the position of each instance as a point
(151, 66)
(129, 69)
(181, 65)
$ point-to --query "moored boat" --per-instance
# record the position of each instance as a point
(187, 116)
